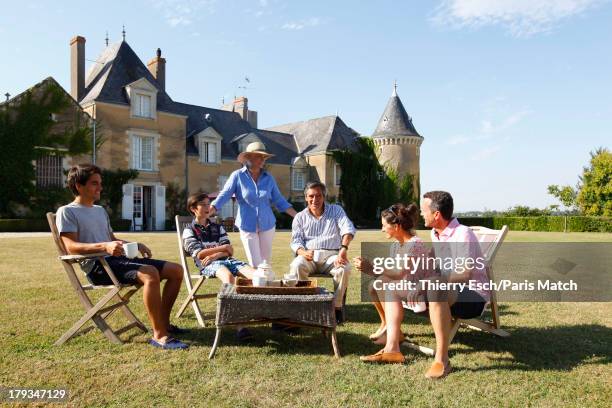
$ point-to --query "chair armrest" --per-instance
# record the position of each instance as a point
(75, 258)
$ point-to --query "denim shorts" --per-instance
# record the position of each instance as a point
(232, 264)
(125, 269)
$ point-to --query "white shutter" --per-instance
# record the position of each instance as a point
(160, 208)
(136, 151)
(212, 152)
(127, 206)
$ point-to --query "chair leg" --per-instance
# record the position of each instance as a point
(98, 320)
(479, 325)
(215, 344)
(422, 349)
(190, 297)
(133, 319)
(334, 341)
(198, 312)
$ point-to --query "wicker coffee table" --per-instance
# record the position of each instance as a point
(315, 311)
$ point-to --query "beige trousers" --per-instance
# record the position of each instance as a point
(325, 265)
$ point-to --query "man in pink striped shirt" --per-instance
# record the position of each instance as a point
(462, 265)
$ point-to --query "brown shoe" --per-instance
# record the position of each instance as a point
(394, 357)
(438, 370)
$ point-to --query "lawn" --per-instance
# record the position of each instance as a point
(559, 354)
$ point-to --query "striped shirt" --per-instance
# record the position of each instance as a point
(197, 237)
(308, 232)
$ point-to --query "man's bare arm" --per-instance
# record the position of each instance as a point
(74, 247)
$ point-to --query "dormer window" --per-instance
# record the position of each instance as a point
(208, 143)
(142, 96)
(299, 173)
(208, 151)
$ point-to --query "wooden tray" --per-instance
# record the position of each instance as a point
(307, 287)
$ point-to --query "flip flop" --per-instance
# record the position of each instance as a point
(169, 344)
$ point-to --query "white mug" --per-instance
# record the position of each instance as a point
(318, 254)
(130, 249)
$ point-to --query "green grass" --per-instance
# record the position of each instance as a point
(559, 354)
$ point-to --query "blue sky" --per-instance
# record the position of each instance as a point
(510, 95)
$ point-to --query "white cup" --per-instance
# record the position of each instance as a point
(259, 281)
(318, 254)
(130, 249)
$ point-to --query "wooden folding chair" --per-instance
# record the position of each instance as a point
(99, 312)
(192, 287)
(490, 241)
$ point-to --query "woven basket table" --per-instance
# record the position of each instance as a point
(296, 310)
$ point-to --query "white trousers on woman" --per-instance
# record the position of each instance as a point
(258, 246)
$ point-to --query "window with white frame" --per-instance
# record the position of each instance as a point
(208, 151)
(298, 179)
(337, 174)
(49, 171)
(143, 106)
(143, 152)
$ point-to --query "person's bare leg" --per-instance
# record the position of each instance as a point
(246, 272)
(381, 313)
(440, 316)
(395, 314)
(224, 275)
(173, 274)
(149, 277)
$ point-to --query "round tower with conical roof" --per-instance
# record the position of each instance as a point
(397, 140)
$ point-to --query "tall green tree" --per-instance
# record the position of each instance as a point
(366, 186)
(565, 194)
(595, 196)
(26, 132)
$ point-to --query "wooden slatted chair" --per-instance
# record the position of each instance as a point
(193, 282)
(98, 313)
(490, 241)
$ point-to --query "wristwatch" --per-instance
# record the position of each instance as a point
(344, 246)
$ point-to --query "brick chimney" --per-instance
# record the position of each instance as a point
(240, 105)
(77, 67)
(157, 67)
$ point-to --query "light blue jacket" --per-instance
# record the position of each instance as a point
(254, 200)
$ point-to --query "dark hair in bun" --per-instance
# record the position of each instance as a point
(404, 216)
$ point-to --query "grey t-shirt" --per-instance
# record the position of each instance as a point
(91, 224)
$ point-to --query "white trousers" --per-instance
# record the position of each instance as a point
(258, 246)
(340, 275)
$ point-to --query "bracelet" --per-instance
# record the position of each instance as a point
(344, 246)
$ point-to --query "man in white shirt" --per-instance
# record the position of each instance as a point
(320, 236)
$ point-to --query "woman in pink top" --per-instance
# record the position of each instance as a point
(398, 223)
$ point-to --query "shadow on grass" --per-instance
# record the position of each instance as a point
(365, 313)
(530, 348)
(546, 348)
(310, 341)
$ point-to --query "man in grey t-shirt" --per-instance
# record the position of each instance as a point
(85, 228)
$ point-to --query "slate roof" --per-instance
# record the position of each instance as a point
(394, 120)
(116, 67)
(319, 135)
(231, 126)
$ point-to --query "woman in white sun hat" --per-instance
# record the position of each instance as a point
(255, 191)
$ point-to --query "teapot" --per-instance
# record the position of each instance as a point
(263, 273)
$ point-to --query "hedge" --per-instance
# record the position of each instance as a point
(41, 225)
(24, 225)
(543, 223)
